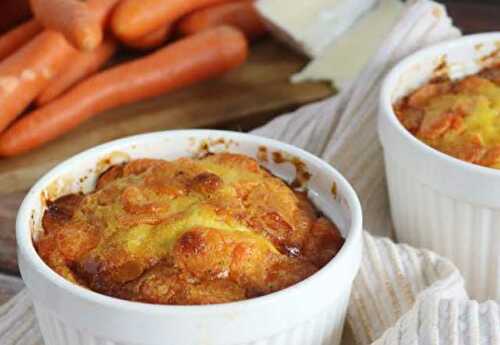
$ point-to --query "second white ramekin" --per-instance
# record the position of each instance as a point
(311, 312)
(437, 201)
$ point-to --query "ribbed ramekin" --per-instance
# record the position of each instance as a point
(439, 202)
(311, 312)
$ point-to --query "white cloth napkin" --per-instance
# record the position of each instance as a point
(402, 295)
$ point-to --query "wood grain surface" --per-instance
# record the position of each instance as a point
(242, 100)
(473, 16)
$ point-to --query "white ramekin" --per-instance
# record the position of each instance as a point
(310, 312)
(437, 201)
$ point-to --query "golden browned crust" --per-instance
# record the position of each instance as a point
(460, 118)
(189, 231)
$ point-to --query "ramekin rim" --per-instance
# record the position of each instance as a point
(386, 104)
(26, 247)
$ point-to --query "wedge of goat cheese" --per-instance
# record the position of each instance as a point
(311, 25)
(344, 58)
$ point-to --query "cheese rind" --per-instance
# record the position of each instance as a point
(344, 58)
(312, 25)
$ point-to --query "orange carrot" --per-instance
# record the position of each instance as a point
(152, 40)
(28, 71)
(17, 37)
(133, 19)
(73, 18)
(240, 14)
(102, 9)
(82, 65)
(185, 62)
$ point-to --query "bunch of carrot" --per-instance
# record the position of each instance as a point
(55, 60)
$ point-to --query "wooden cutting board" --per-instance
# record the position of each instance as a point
(258, 90)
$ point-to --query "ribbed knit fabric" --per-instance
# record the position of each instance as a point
(402, 295)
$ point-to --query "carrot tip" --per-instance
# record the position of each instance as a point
(120, 30)
(89, 39)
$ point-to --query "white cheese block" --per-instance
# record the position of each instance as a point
(344, 58)
(311, 25)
